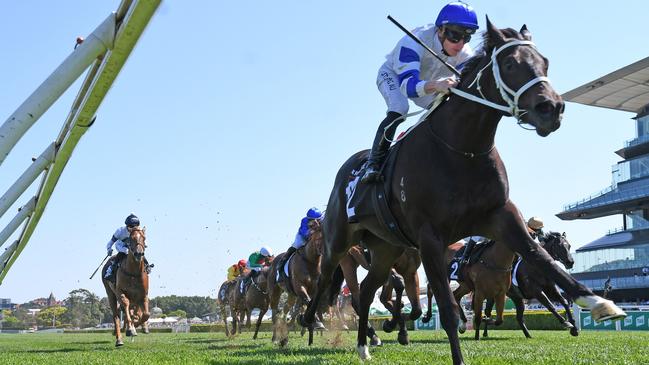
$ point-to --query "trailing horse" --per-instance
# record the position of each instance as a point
(255, 296)
(533, 284)
(226, 292)
(304, 270)
(447, 182)
(130, 292)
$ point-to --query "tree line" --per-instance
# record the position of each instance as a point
(82, 309)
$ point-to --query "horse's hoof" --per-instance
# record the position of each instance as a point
(462, 327)
(574, 331)
(283, 342)
(601, 309)
(403, 338)
(425, 319)
(567, 325)
(129, 333)
(119, 343)
(388, 326)
(489, 321)
(319, 326)
(376, 341)
(363, 352)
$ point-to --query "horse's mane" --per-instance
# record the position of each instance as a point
(484, 50)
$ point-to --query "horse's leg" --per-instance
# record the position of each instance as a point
(112, 300)
(507, 226)
(262, 312)
(128, 321)
(432, 251)
(386, 299)
(556, 296)
(487, 312)
(411, 281)
(383, 257)
(275, 293)
(500, 308)
(520, 310)
(478, 299)
(429, 312)
(349, 269)
(458, 294)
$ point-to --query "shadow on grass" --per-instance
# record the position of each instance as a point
(48, 351)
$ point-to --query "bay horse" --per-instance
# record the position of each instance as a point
(226, 293)
(447, 181)
(131, 288)
(304, 270)
(255, 296)
(533, 284)
(488, 278)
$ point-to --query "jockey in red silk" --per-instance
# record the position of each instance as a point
(411, 72)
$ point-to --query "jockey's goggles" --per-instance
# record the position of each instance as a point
(457, 35)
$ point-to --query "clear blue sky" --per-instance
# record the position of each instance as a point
(231, 119)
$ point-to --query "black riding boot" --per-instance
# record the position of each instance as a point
(465, 258)
(380, 148)
(287, 255)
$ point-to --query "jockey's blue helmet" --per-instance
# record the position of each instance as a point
(132, 220)
(457, 13)
(314, 213)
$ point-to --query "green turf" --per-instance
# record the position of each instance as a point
(427, 347)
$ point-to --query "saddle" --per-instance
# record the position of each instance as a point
(371, 200)
(282, 274)
(477, 252)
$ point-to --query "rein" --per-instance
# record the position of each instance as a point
(254, 284)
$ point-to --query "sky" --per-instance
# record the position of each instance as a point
(231, 119)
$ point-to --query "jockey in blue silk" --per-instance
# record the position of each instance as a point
(411, 72)
(302, 235)
(120, 239)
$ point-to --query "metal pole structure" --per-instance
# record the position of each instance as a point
(55, 85)
(27, 178)
(131, 19)
(23, 213)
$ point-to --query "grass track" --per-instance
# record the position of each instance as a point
(427, 347)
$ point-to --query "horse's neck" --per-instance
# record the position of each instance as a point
(310, 252)
(131, 265)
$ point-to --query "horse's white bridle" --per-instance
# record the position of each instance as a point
(505, 92)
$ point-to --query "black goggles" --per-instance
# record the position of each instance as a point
(455, 36)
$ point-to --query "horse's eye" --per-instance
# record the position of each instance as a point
(509, 64)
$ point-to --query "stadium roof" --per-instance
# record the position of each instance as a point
(618, 240)
(626, 89)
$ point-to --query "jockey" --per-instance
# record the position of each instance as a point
(471, 242)
(535, 229)
(301, 237)
(411, 72)
(259, 259)
(236, 270)
(120, 238)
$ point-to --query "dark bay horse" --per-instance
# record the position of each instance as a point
(304, 270)
(255, 296)
(224, 299)
(130, 292)
(533, 284)
(448, 182)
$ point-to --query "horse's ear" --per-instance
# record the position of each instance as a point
(525, 33)
(564, 234)
(494, 36)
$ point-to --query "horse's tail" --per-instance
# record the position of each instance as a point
(336, 284)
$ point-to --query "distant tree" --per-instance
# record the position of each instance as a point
(194, 306)
(84, 309)
(177, 313)
(10, 321)
(50, 316)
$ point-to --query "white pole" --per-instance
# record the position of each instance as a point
(23, 213)
(51, 89)
(27, 178)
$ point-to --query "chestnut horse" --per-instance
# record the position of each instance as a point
(304, 270)
(533, 284)
(131, 289)
(447, 182)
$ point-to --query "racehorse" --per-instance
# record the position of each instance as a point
(225, 293)
(488, 278)
(131, 288)
(304, 270)
(533, 284)
(447, 182)
(255, 296)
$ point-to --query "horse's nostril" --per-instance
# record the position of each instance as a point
(545, 107)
